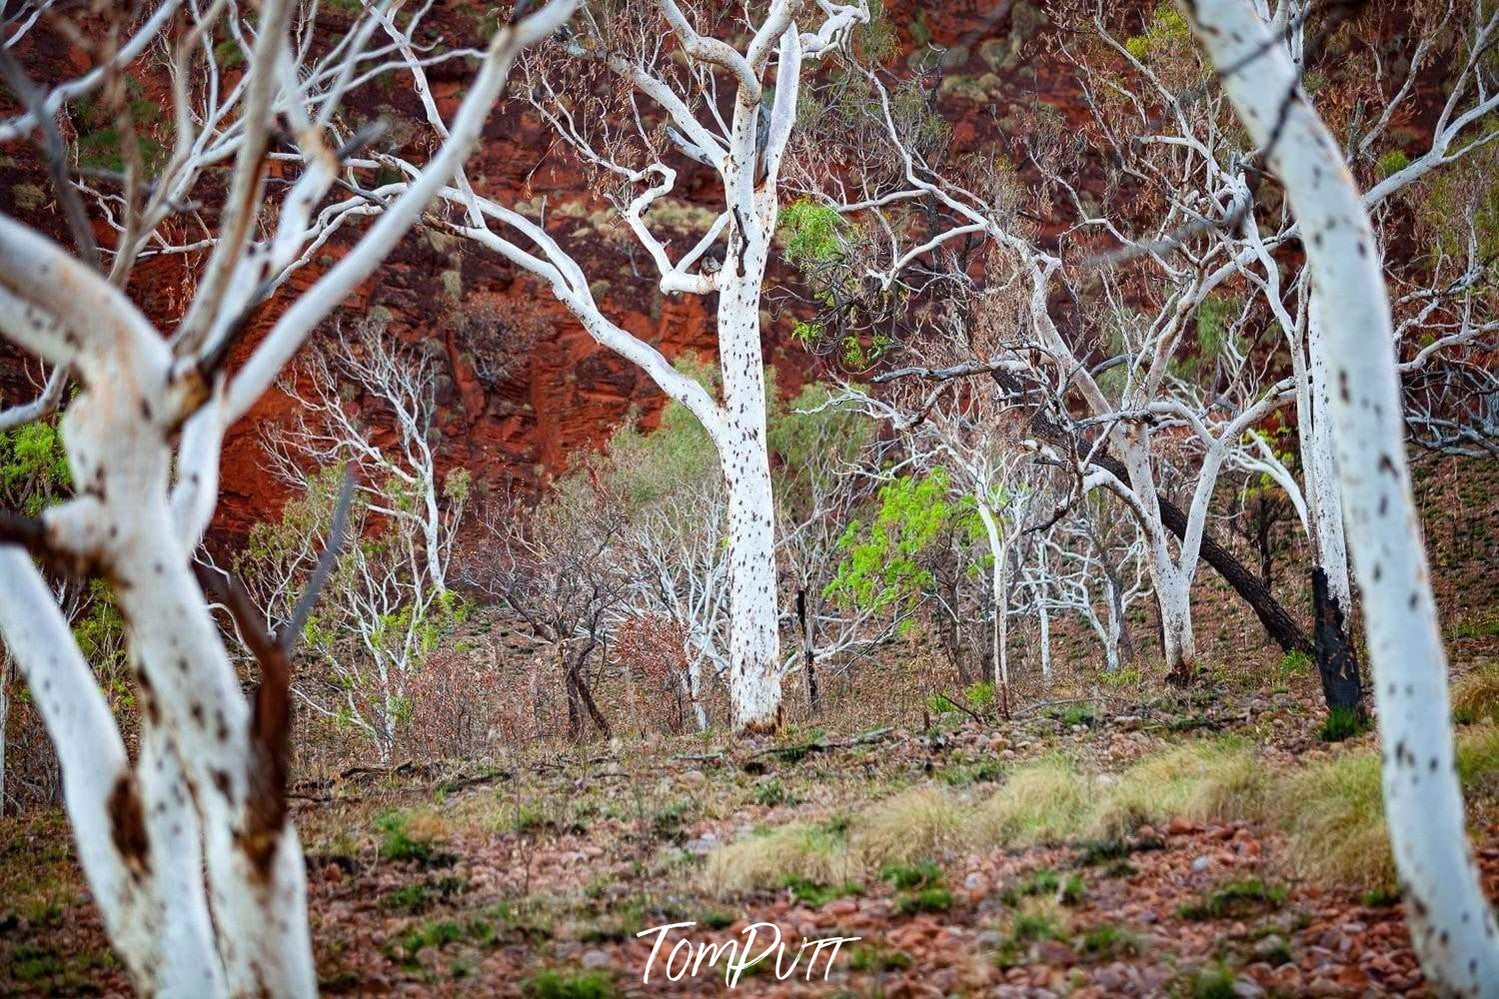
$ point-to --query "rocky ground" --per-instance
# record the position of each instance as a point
(533, 875)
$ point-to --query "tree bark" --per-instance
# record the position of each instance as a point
(1337, 662)
(1452, 925)
(809, 657)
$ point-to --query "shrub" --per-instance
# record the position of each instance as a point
(1343, 723)
(1475, 697)
(814, 854)
(1200, 780)
(922, 822)
(1041, 802)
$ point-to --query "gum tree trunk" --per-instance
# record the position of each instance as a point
(1332, 592)
(754, 612)
(1451, 924)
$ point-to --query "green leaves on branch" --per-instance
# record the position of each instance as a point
(883, 565)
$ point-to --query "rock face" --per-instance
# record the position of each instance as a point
(522, 386)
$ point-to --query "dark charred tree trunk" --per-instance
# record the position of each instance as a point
(1262, 526)
(809, 655)
(1337, 661)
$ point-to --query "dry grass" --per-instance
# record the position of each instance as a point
(1199, 780)
(1334, 813)
(1331, 811)
(1334, 817)
(769, 860)
(1041, 802)
(1475, 697)
(920, 823)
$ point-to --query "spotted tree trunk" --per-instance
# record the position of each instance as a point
(1451, 923)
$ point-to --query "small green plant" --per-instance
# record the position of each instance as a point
(1072, 890)
(815, 895)
(877, 959)
(905, 877)
(770, 793)
(1392, 163)
(1381, 897)
(413, 941)
(1235, 899)
(552, 984)
(1128, 676)
(931, 899)
(409, 898)
(981, 696)
(1215, 981)
(1111, 941)
(1343, 723)
(1295, 663)
(667, 821)
(1074, 714)
(398, 843)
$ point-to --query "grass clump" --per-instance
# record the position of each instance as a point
(1343, 723)
(905, 877)
(552, 984)
(1215, 981)
(816, 895)
(1037, 920)
(410, 836)
(1235, 899)
(1334, 816)
(934, 898)
(801, 851)
(922, 822)
(1041, 802)
(1199, 780)
(1111, 941)
(1475, 697)
(877, 959)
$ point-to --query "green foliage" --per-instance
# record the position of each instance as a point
(1214, 981)
(1111, 941)
(1392, 162)
(1234, 900)
(1167, 29)
(981, 695)
(1295, 663)
(1215, 314)
(397, 842)
(811, 232)
(815, 894)
(1343, 723)
(101, 144)
(882, 564)
(569, 985)
(33, 467)
(920, 874)
(1381, 897)
(931, 899)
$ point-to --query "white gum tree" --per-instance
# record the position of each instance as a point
(1452, 924)
(188, 850)
(636, 91)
